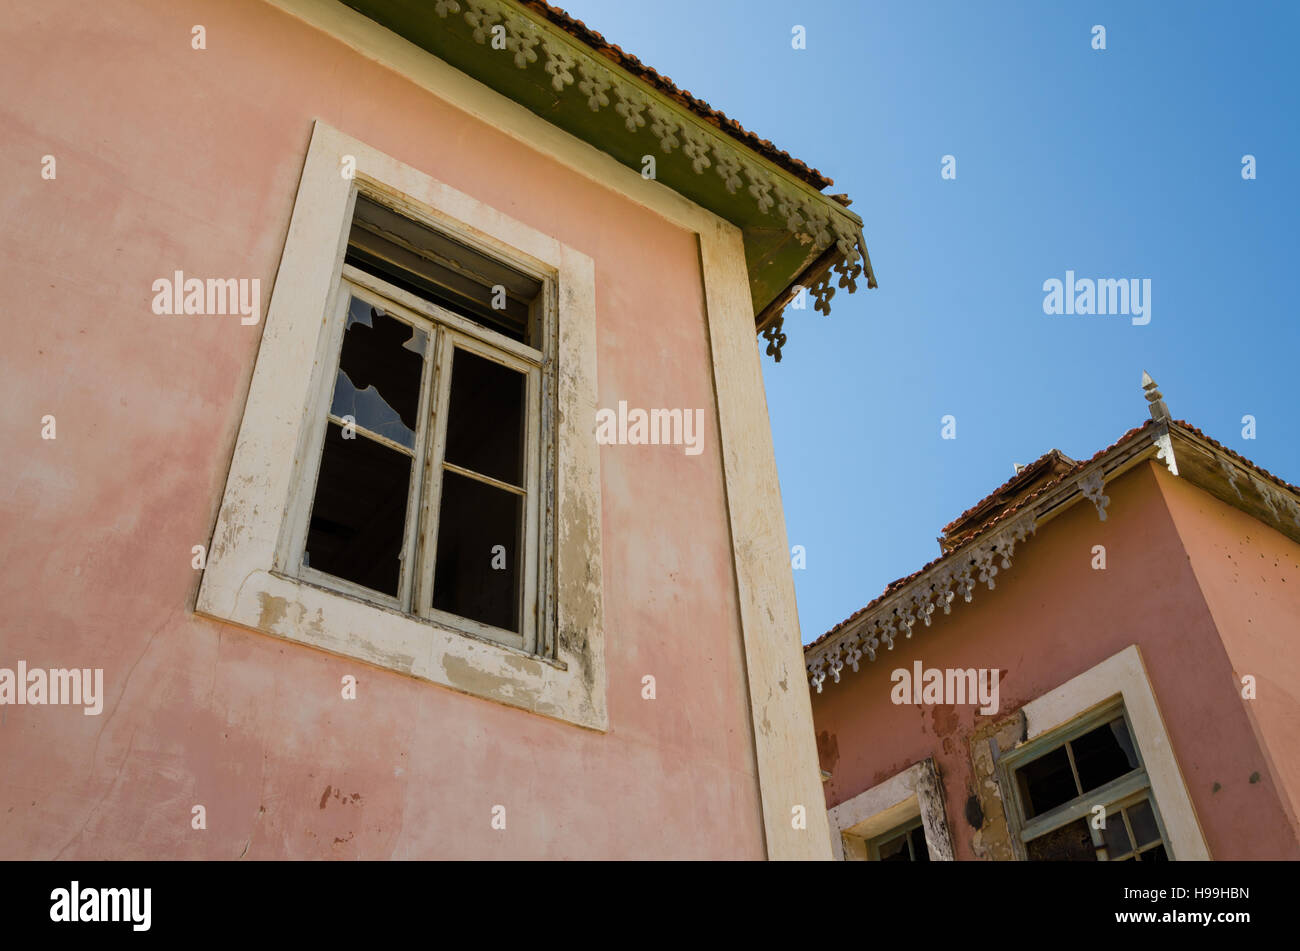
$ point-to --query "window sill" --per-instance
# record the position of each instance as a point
(435, 623)
(343, 624)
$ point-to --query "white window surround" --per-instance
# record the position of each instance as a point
(1124, 675)
(244, 582)
(915, 791)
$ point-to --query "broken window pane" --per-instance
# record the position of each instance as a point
(895, 850)
(904, 843)
(1104, 754)
(1143, 820)
(380, 368)
(1046, 783)
(485, 422)
(358, 516)
(1069, 843)
(477, 572)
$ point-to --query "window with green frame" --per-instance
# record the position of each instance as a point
(903, 843)
(1055, 783)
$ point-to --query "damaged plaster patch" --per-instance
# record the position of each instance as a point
(529, 668)
(943, 719)
(285, 618)
(465, 676)
(984, 809)
(828, 750)
(405, 663)
(273, 611)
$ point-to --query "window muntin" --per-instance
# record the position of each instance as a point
(1059, 779)
(424, 465)
(903, 843)
(1079, 765)
(1133, 833)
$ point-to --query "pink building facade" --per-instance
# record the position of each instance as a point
(1138, 608)
(159, 464)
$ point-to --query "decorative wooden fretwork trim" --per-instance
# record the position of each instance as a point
(919, 600)
(812, 218)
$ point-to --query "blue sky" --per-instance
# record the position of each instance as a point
(1122, 163)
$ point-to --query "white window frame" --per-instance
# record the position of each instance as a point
(916, 792)
(253, 577)
(1113, 795)
(446, 332)
(1121, 678)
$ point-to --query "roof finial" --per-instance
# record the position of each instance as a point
(1157, 403)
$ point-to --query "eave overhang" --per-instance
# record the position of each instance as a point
(794, 235)
(976, 557)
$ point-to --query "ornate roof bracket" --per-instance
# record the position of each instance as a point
(817, 279)
(812, 218)
(1092, 486)
(1165, 451)
(897, 616)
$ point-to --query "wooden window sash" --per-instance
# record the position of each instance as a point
(418, 555)
(344, 293)
(438, 314)
(526, 638)
(1080, 806)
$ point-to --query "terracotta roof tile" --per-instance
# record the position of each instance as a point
(579, 31)
(1048, 486)
(1022, 478)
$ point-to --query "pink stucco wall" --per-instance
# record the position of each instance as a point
(1051, 618)
(171, 158)
(1249, 575)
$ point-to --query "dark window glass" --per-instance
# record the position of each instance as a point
(380, 367)
(440, 269)
(895, 850)
(1104, 754)
(1046, 783)
(1115, 836)
(920, 852)
(358, 517)
(485, 422)
(1069, 843)
(1143, 820)
(475, 518)
(1158, 854)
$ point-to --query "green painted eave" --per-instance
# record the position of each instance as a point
(776, 257)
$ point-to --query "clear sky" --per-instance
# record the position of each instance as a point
(1122, 163)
